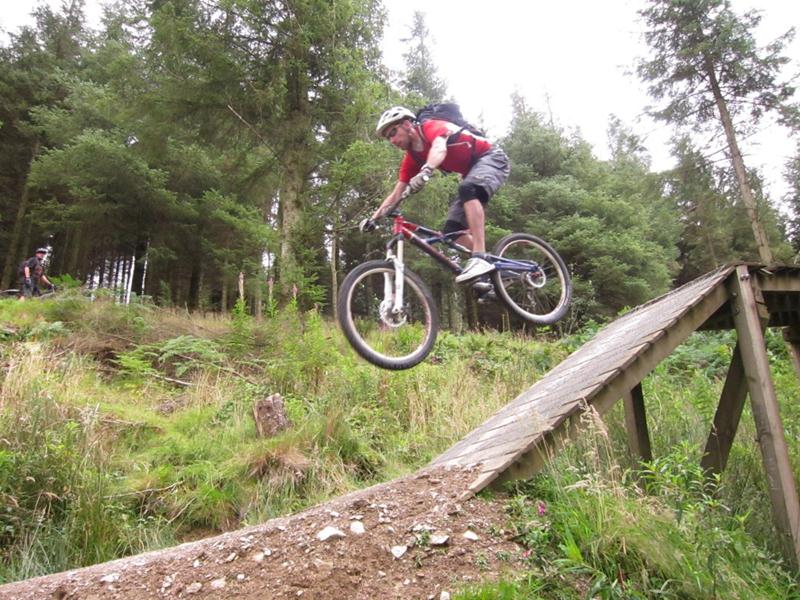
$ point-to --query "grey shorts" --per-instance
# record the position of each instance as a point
(487, 175)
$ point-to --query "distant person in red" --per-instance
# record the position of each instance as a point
(31, 273)
(482, 166)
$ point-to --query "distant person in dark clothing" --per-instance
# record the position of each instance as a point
(31, 273)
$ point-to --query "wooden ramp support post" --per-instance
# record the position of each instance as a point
(769, 428)
(636, 424)
(726, 419)
(792, 337)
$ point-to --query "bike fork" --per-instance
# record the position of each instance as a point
(393, 291)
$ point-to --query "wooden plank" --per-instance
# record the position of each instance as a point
(609, 365)
(535, 457)
(638, 369)
(774, 452)
(636, 424)
(726, 419)
(784, 281)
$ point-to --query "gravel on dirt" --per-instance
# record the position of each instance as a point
(415, 537)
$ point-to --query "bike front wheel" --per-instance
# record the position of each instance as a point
(540, 295)
(388, 333)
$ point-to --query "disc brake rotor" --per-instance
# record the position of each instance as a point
(390, 318)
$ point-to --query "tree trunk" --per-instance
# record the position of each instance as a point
(297, 152)
(115, 275)
(334, 266)
(125, 279)
(101, 270)
(471, 308)
(140, 259)
(762, 244)
(193, 299)
(711, 251)
(81, 255)
(291, 211)
(13, 256)
(456, 314)
(224, 300)
(258, 295)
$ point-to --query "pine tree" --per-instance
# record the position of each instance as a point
(792, 176)
(33, 72)
(421, 79)
(708, 68)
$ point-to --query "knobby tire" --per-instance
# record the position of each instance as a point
(538, 305)
(359, 316)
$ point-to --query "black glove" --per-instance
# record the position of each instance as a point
(28, 282)
(367, 225)
(420, 179)
(52, 287)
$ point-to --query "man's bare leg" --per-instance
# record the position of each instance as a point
(476, 221)
(465, 240)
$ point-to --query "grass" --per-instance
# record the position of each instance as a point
(148, 413)
(595, 526)
(124, 429)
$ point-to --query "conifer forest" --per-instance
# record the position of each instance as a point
(184, 143)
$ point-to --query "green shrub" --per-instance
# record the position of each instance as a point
(56, 489)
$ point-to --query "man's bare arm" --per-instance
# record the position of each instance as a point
(437, 153)
(391, 199)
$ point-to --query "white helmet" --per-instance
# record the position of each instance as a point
(392, 116)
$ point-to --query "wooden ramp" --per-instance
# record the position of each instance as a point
(515, 442)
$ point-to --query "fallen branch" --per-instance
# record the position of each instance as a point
(143, 492)
(171, 380)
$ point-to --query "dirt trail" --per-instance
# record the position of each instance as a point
(409, 538)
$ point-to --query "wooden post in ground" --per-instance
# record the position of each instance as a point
(769, 428)
(726, 419)
(636, 424)
(792, 337)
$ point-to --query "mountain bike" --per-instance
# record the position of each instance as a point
(14, 293)
(389, 316)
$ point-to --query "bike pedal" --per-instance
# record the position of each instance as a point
(488, 297)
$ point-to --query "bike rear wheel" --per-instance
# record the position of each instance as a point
(388, 338)
(542, 296)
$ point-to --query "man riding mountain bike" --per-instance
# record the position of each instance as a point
(437, 144)
(31, 274)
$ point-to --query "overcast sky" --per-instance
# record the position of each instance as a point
(570, 58)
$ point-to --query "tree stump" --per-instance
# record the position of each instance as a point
(270, 416)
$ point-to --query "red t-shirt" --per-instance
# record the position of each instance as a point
(460, 154)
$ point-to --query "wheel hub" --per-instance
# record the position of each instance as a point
(537, 279)
(390, 317)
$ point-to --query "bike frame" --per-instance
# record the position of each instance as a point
(404, 230)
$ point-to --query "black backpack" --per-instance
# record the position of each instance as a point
(448, 111)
